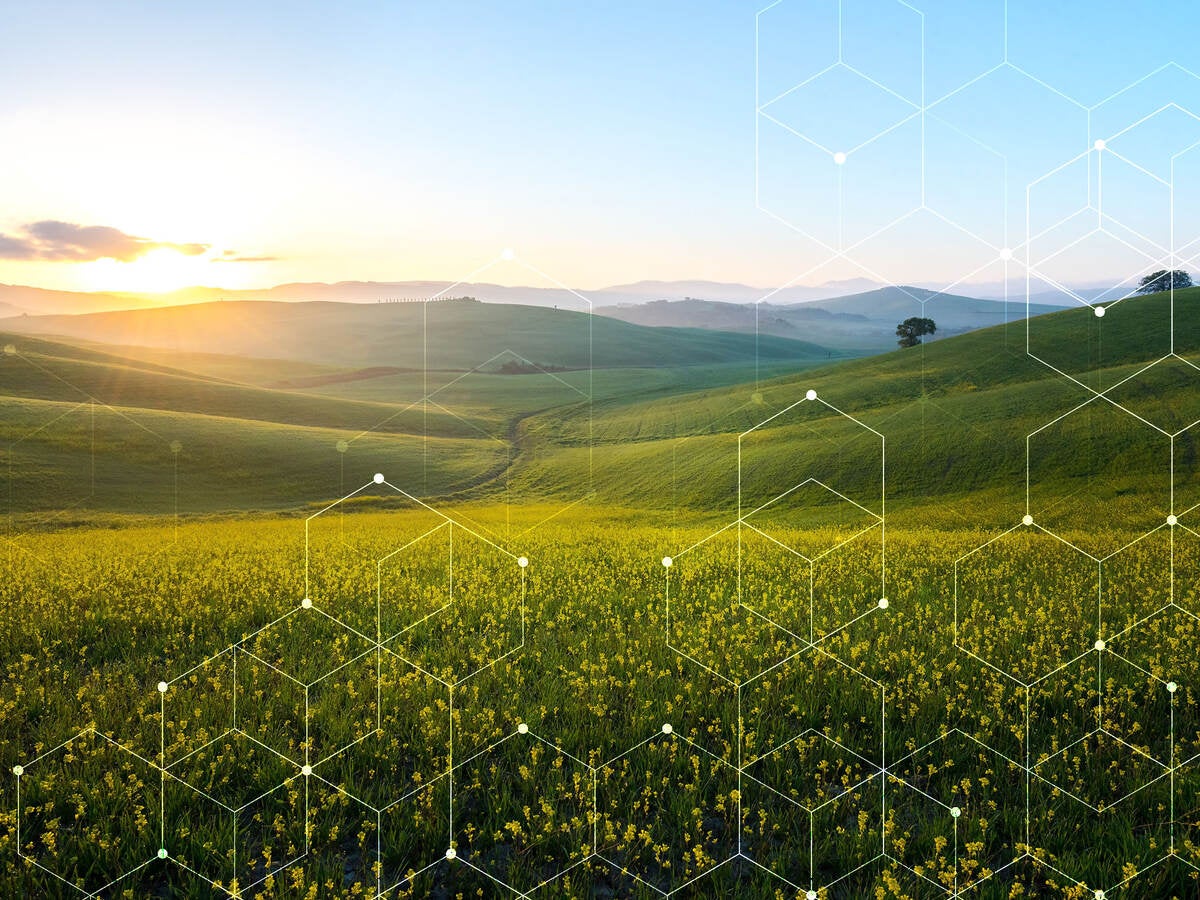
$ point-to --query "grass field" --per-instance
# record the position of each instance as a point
(104, 619)
(827, 736)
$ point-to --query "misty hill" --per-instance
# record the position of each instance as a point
(733, 292)
(19, 299)
(448, 334)
(859, 323)
(40, 301)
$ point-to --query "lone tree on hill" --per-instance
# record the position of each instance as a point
(910, 330)
(1164, 280)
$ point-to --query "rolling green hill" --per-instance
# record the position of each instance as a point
(87, 427)
(65, 462)
(955, 413)
(223, 366)
(442, 335)
(46, 370)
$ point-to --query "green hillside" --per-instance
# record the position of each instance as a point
(46, 370)
(448, 334)
(88, 428)
(227, 367)
(956, 414)
(64, 462)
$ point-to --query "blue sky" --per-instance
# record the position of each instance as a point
(604, 143)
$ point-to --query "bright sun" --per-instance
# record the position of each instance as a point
(157, 272)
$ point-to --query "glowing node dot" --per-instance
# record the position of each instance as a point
(883, 602)
(839, 158)
(955, 811)
(306, 771)
(522, 562)
(810, 395)
(1027, 519)
(1172, 519)
(1100, 145)
(18, 771)
(1172, 687)
(1099, 895)
(667, 561)
(176, 447)
(523, 728)
(507, 253)
(10, 349)
(1099, 312)
(162, 852)
(342, 446)
(667, 729)
(1006, 253)
(379, 478)
(162, 687)
(306, 603)
(1099, 645)
(810, 895)
(451, 853)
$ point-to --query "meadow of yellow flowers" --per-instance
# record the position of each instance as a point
(441, 720)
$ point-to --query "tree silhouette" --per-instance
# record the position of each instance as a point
(1164, 280)
(911, 330)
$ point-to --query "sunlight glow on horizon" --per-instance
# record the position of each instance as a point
(555, 129)
(157, 272)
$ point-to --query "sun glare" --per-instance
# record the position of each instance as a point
(159, 271)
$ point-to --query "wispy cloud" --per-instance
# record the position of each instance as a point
(55, 241)
(234, 256)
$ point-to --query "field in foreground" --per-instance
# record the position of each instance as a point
(831, 706)
(832, 740)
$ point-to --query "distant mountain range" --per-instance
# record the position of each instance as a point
(859, 323)
(840, 325)
(19, 299)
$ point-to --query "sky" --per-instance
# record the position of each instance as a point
(148, 146)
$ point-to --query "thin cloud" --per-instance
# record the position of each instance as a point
(55, 241)
(233, 256)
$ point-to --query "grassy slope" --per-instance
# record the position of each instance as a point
(84, 458)
(53, 371)
(487, 396)
(241, 369)
(84, 430)
(443, 335)
(955, 413)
